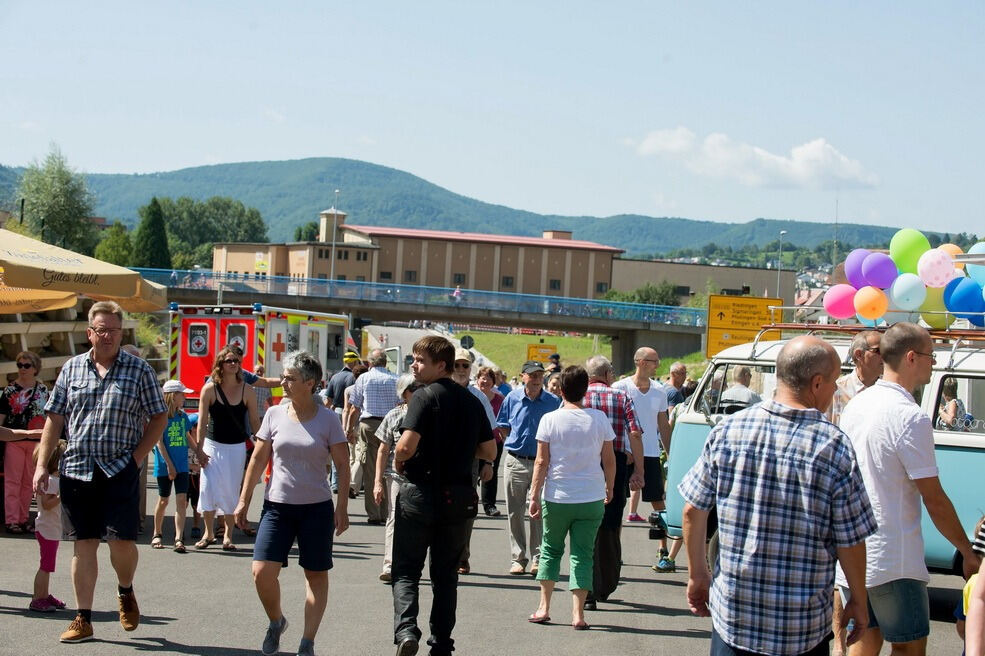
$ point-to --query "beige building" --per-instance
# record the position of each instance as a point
(553, 264)
(689, 279)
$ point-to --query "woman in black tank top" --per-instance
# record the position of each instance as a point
(227, 418)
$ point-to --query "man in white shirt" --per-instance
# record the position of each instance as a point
(868, 368)
(650, 403)
(894, 445)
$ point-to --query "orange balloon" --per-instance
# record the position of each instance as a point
(871, 303)
(952, 250)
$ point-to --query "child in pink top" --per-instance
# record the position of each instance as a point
(48, 531)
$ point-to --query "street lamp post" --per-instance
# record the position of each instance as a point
(335, 218)
(779, 263)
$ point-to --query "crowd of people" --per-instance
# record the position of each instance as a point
(817, 490)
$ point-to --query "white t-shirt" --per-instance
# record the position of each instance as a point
(894, 445)
(574, 474)
(647, 406)
(49, 522)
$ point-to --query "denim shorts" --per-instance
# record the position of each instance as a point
(311, 524)
(899, 609)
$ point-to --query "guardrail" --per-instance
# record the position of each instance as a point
(431, 296)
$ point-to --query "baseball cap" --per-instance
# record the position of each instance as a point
(463, 354)
(554, 356)
(350, 356)
(532, 366)
(175, 386)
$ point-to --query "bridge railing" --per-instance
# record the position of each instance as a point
(428, 296)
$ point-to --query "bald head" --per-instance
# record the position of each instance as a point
(803, 358)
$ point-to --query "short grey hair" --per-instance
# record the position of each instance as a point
(678, 366)
(797, 365)
(105, 307)
(305, 364)
(741, 372)
(598, 367)
(377, 358)
(860, 343)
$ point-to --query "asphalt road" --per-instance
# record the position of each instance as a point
(203, 603)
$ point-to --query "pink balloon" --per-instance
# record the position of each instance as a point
(935, 268)
(839, 302)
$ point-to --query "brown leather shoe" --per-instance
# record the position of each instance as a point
(129, 612)
(78, 631)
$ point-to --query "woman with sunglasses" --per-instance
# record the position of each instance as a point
(21, 408)
(227, 417)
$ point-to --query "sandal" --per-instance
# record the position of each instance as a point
(539, 619)
(179, 547)
(580, 626)
(157, 541)
(15, 529)
(228, 546)
(204, 543)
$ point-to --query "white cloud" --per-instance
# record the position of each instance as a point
(274, 116)
(815, 164)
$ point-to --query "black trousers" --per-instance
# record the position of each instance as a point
(415, 532)
(491, 487)
(608, 543)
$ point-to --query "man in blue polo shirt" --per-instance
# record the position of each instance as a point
(519, 417)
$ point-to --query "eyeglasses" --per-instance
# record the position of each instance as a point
(24, 365)
(104, 332)
(230, 361)
(653, 361)
(874, 349)
(463, 365)
(933, 358)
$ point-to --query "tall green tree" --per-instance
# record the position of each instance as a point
(115, 246)
(194, 226)
(57, 203)
(150, 243)
(306, 232)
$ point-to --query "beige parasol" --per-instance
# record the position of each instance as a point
(37, 276)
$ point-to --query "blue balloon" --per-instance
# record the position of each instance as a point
(868, 323)
(949, 289)
(977, 271)
(907, 292)
(967, 298)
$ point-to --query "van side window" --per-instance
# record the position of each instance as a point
(960, 405)
(735, 387)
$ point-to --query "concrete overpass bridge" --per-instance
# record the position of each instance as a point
(673, 331)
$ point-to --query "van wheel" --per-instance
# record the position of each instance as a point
(712, 551)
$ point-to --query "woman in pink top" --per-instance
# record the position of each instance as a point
(300, 440)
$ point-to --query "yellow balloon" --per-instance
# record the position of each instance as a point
(952, 250)
(871, 303)
(935, 302)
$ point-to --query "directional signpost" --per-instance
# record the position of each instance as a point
(734, 320)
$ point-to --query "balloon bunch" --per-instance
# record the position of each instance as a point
(913, 280)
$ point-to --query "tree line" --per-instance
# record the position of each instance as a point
(172, 233)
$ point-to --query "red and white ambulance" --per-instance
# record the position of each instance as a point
(266, 334)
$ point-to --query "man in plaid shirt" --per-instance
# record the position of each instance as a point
(790, 501)
(628, 446)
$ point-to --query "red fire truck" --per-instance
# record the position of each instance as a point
(266, 334)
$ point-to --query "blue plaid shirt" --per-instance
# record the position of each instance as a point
(104, 417)
(788, 493)
(375, 393)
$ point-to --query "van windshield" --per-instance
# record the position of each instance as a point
(733, 387)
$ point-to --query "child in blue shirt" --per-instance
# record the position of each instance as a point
(171, 465)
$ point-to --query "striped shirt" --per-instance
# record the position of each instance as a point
(104, 417)
(375, 393)
(788, 493)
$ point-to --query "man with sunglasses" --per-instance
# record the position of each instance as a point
(894, 444)
(868, 368)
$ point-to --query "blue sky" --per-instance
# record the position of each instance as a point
(723, 111)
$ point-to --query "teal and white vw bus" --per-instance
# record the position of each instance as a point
(960, 448)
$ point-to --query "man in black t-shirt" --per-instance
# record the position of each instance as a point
(444, 430)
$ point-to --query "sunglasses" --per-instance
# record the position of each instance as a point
(24, 365)
(230, 361)
(463, 365)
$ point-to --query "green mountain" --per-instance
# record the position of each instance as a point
(292, 193)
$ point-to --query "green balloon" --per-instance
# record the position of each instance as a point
(906, 248)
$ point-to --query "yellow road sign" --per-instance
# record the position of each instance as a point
(540, 352)
(720, 339)
(740, 312)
